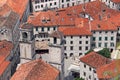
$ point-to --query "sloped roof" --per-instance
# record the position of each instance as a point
(35, 70)
(95, 60)
(108, 71)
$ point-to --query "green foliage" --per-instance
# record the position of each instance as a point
(105, 52)
(88, 51)
(79, 79)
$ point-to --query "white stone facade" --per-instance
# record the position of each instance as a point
(101, 39)
(77, 45)
(39, 5)
(87, 72)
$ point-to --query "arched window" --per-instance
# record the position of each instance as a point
(24, 35)
(71, 54)
(65, 55)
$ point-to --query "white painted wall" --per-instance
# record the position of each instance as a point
(76, 45)
(87, 71)
(104, 34)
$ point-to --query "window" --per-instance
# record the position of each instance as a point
(80, 36)
(64, 47)
(112, 38)
(80, 48)
(64, 36)
(84, 66)
(48, 29)
(71, 54)
(71, 37)
(80, 42)
(73, 4)
(65, 54)
(89, 77)
(71, 42)
(24, 35)
(54, 28)
(36, 28)
(86, 36)
(55, 40)
(50, 4)
(100, 38)
(99, 44)
(86, 42)
(42, 29)
(112, 44)
(80, 54)
(90, 68)
(67, 4)
(41, 6)
(106, 38)
(105, 44)
(71, 47)
(105, 31)
(84, 74)
(86, 48)
(54, 3)
(93, 45)
(93, 38)
(94, 71)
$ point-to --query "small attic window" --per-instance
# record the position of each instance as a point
(103, 10)
(69, 14)
(98, 26)
(44, 21)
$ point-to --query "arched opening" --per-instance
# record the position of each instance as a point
(24, 35)
(71, 54)
(65, 55)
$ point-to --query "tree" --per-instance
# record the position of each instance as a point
(105, 52)
(79, 79)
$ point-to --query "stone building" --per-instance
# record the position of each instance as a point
(27, 43)
(39, 5)
(90, 63)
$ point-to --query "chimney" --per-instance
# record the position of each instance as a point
(100, 17)
(89, 25)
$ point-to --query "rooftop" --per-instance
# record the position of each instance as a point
(37, 70)
(110, 70)
(95, 60)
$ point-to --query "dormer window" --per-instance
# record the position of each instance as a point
(44, 21)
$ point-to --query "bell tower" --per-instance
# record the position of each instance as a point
(27, 43)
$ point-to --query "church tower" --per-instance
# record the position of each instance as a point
(56, 52)
(27, 43)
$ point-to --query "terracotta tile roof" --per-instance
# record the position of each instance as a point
(94, 60)
(104, 25)
(26, 26)
(18, 6)
(5, 48)
(10, 20)
(35, 70)
(3, 64)
(74, 31)
(67, 17)
(108, 71)
(44, 19)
